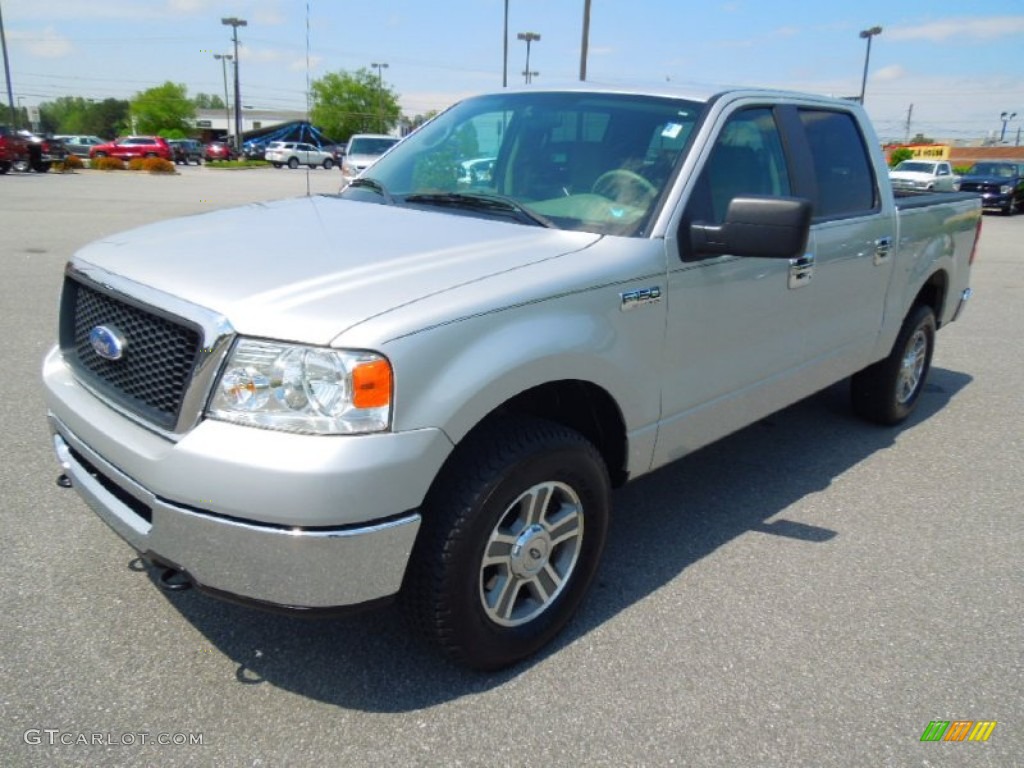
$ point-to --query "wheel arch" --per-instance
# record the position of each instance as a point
(933, 294)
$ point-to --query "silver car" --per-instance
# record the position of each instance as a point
(296, 153)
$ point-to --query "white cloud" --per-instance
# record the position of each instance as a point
(44, 44)
(889, 74)
(972, 29)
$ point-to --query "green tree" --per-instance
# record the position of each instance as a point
(898, 155)
(163, 109)
(208, 101)
(353, 102)
(73, 114)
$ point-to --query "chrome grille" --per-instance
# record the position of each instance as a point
(160, 352)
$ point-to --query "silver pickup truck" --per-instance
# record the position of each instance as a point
(428, 385)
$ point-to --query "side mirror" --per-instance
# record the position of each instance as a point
(772, 227)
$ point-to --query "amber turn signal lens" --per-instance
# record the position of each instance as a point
(371, 384)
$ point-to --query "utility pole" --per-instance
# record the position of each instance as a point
(224, 58)
(7, 72)
(235, 23)
(380, 92)
(585, 45)
(504, 65)
(910, 112)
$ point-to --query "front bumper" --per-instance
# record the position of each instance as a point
(290, 520)
(275, 565)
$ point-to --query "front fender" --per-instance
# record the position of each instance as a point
(454, 375)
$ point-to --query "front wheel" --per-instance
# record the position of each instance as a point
(293, 163)
(887, 392)
(328, 164)
(511, 538)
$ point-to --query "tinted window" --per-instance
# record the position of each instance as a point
(846, 183)
(747, 159)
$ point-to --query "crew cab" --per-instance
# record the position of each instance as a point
(428, 385)
(999, 182)
(924, 175)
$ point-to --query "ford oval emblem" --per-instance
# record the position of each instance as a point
(107, 342)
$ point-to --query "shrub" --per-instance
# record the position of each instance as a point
(106, 164)
(135, 164)
(157, 165)
(69, 163)
(897, 156)
(961, 170)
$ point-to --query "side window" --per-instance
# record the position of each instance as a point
(846, 183)
(747, 159)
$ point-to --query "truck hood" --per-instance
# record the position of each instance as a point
(309, 268)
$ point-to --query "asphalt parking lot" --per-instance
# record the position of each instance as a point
(811, 591)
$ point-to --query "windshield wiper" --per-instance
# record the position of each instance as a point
(481, 201)
(376, 186)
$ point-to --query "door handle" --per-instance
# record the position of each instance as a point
(883, 249)
(801, 270)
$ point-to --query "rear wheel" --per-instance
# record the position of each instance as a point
(887, 392)
(511, 538)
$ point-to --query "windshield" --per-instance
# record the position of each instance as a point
(581, 161)
(367, 146)
(1004, 170)
(915, 166)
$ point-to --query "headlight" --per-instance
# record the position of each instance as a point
(312, 390)
(1006, 189)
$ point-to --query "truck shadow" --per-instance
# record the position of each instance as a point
(662, 524)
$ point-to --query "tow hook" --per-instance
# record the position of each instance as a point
(172, 580)
(64, 481)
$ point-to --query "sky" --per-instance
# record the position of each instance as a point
(953, 66)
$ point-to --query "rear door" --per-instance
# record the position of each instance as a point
(853, 235)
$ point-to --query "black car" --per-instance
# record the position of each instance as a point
(999, 182)
(186, 151)
(43, 150)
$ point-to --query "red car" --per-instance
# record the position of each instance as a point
(218, 150)
(134, 146)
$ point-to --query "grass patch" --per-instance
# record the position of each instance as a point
(235, 165)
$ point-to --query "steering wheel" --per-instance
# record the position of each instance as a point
(611, 184)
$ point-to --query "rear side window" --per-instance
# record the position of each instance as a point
(846, 182)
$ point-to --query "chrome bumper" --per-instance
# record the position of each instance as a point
(964, 298)
(289, 567)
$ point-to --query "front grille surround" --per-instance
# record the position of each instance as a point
(171, 354)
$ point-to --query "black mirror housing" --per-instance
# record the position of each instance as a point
(770, 227)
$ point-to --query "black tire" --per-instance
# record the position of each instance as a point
(277, 165)
(42, 166)
(293, 163)
(479, 505)
(328, 164)
(887, 392)
(4, 168)
(1011, 207)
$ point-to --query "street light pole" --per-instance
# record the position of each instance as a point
(529, 37)
(380, 91)
(224, 58)
(235, 23)
(867, 34)
(1005, 117)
